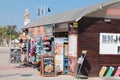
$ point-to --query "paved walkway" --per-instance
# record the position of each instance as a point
(13, 72)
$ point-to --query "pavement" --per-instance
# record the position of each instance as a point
(14, 72)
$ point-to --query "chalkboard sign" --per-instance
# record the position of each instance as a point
(48, 66)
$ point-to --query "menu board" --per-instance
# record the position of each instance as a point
(73, 45)
(48, 66)
(15, 55)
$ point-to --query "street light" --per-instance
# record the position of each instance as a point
(10, 36)
(14, 38)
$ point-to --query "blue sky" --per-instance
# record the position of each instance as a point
(12, 11)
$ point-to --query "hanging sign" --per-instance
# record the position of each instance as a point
(75, 24)
(109, 43)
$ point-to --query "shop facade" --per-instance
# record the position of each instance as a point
(93, 29)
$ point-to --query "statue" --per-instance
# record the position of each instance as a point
(26, 17)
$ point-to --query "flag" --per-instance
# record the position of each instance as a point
(38, 11)
(41, 10)
(49, 10)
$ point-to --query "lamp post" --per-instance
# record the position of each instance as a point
(10, 36)
(10, 47)
(14, 38)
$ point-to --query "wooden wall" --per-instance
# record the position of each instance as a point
(89, 30)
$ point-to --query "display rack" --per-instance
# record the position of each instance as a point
(65, 65)
(83, 67)
(65, 61)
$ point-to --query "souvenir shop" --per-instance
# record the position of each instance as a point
(49, 46)
(54, 48)
(86, 44)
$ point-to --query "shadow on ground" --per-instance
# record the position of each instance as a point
(7, 75)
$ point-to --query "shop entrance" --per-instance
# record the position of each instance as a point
(61, 52)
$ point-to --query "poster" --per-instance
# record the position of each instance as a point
(15, 55)
(72, 64)
(59, 63)
(73, 45)
(58, 46)
(48, 65)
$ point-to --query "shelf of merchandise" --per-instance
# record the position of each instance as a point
(65, 65)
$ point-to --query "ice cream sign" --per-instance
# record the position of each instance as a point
(109, 43)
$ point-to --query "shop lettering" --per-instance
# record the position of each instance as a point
(48, 60)
(118, 49)
(111, 39)
(113, 11)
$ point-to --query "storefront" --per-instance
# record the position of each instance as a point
(94, 29)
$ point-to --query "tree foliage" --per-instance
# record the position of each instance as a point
(8, 33)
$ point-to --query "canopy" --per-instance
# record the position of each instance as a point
(15, 40)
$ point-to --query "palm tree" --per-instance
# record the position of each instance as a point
(1, 36)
